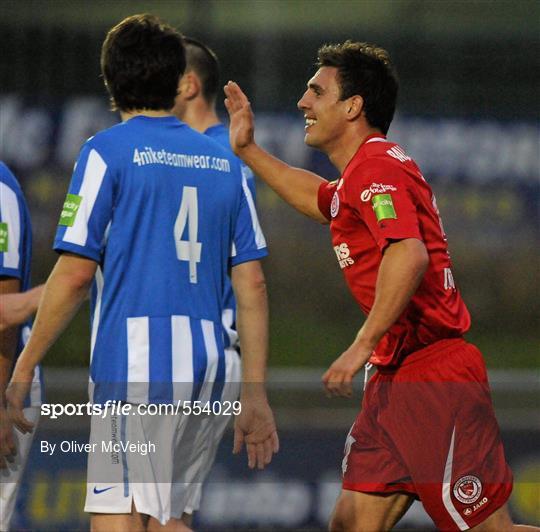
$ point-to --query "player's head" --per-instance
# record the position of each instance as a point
(355, 81)
(364, 69)
(201, 78)
(142, 60)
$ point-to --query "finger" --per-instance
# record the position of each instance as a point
(260, 455)
(238, 440)
(267, 451)
(21, 422)
(252, 455)
(275, 442)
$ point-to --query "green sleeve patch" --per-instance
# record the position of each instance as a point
(383, 207)
(3, 237)
(70, 209)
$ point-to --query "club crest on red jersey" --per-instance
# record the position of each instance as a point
(334, 206)
(467, 489)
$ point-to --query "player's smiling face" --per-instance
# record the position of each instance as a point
(324, 112)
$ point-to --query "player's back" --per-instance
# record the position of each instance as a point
(156, 204)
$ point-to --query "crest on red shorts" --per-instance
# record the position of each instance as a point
(468, 489)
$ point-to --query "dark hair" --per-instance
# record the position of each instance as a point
(142, 60)
(366, 70)
(204, 62)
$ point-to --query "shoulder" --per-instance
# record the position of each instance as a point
(8, 179)
(381, 160)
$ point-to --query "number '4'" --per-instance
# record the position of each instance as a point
(189, 249)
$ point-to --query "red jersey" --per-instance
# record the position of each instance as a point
(381, 197)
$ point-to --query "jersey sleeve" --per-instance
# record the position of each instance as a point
(248, 242)
(87, 210)
(11, 232)
(383, 195)
(324, 198)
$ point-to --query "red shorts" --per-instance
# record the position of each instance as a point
(427, 428)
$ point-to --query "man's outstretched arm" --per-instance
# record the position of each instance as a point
(17, 308)
(64, 291)
(255, 425)
(297, 187)
(400, 273)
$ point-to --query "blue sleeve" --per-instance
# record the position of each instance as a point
(249, 242)
(12, 220)
(88, 208)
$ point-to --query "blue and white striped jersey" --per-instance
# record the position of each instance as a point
(164, 212)
(16, 256)
(221, 134)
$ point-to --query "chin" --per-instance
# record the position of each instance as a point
(310, 141)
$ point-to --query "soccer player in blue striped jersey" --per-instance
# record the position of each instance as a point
(155, 215)
(196, 106)
(15, 258)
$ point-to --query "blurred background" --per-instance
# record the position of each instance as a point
(468, 112)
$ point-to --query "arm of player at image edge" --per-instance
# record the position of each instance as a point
(65, 290)
(254, 426)
(9, 287)
(400, 273)
(18, 307)
(299, 188)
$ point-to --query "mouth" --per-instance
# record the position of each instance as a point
(309, 122)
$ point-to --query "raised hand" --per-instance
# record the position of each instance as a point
(242, 124)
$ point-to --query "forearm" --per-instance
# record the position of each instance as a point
(62, 296)
(400, 273)
(17, 308)
(9, 287)
(299, 188)
(252, 320)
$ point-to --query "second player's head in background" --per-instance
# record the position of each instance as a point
(199, 86)
(142, 60)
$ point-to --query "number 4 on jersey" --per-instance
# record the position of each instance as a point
(189, 249)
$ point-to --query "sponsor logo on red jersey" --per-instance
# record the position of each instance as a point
(376, 188)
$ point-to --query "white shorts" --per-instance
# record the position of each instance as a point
(162, 475)
(11, 477)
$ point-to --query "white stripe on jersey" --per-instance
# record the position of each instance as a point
(9, 208)
(138, 370)
(93, 177)
(97, 312)
(447, 481)
(259, 237)
(211, 360)
(182, 358)
(227, 320)
(376, 139)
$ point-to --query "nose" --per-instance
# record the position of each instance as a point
(302, 102)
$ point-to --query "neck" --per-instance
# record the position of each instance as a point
(200, 116)
(152, 113)
(345, 149)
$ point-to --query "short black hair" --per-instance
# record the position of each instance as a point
(203, 60)
(364, 69)
(142, 60)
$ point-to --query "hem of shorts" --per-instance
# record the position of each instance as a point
(471, 523)
(90, 509)
(381, 489)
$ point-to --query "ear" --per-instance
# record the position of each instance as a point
(189, 86)
(355, 106)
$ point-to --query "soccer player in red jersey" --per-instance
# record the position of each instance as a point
(427, 429)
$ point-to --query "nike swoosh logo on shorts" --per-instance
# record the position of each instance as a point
(97, 492)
